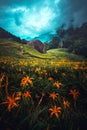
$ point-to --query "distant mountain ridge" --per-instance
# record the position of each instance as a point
(38, 45)
(46, 37)
(7, 35)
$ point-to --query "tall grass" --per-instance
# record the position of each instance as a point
(41, 91)
(45, 97)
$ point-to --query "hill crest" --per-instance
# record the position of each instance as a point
(7, 35)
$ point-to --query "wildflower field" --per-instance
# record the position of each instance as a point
(42, 94)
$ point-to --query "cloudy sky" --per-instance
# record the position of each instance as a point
(31, 18)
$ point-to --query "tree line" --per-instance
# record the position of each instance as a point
(72, 38)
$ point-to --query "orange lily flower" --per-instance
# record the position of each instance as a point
(50, 78)
(66, 103)
(76, 67)
(18, 94)
(55, 111)
(27, 94)
(57, 84)
(37, 70)
(53, 95)
(44, 72)
(25, 81)
(74, 93)
(63, 74)
(11, 101)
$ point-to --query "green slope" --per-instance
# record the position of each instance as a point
(63, 54)
(12, 49)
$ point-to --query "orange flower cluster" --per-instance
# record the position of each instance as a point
(25, 81)
(55, 111)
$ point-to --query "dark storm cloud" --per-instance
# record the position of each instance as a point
(73, 9)
(34, 17)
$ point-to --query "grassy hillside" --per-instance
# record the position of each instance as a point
(13, 49)
(41, 91)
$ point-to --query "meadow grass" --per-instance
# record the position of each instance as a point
(39, 92)
(13, 49)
